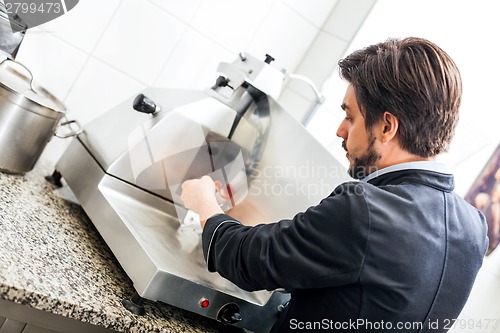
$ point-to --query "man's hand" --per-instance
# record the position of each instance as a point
(198, 195)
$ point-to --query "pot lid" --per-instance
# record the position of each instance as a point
(19, 80)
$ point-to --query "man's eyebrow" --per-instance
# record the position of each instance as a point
(344, 106)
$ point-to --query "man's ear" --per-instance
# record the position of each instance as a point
(389, 126)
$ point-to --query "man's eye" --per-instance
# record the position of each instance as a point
(349, 119)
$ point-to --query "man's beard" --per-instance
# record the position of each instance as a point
(363, 165)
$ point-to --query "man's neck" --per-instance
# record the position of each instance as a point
(396, 155)
(385, 164)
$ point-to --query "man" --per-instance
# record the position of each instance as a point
(397, 251)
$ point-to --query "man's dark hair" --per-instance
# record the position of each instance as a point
(417, 82)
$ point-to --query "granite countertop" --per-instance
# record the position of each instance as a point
(52, 258)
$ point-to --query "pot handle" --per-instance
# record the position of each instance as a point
(74, 132)
(32, 87)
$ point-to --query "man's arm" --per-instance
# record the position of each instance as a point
(323, 246)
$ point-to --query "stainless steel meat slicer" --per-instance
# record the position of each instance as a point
(126, 169)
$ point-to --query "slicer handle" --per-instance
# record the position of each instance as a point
(144, 104)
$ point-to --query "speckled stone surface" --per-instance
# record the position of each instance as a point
(53, 259)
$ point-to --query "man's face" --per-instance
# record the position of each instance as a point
(358, 142)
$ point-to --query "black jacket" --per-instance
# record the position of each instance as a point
(399, 253)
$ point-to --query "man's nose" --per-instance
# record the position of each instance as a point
(342, 131)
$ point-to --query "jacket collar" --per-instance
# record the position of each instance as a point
(429, 173)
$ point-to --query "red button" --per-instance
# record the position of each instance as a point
(203, 303)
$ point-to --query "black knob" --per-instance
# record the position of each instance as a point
(144, 104)
(229, 314)
(268, 59)
(220, 82)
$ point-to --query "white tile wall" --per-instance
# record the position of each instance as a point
(316, 14)
(327, 49)
(325, 123)
(98, 89)
(285, 35)
(190, 66)
(329, 45)
(294, 103)
(342, 23)
(139, 39)
(182, 9)
(84, 24)
(232, 23)
(55, 64)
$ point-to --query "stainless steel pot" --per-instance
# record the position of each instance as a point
(29, 116)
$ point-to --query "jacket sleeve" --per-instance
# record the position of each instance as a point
(323, 246)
